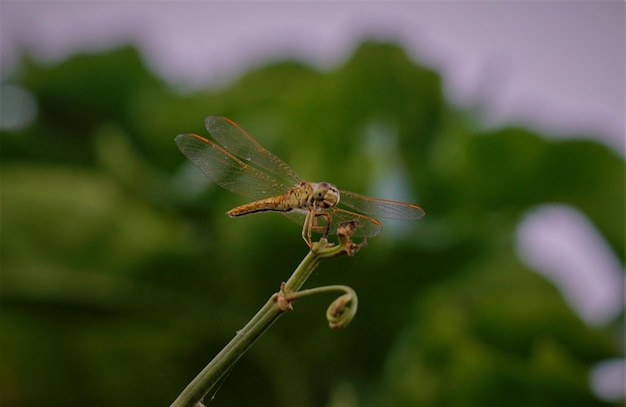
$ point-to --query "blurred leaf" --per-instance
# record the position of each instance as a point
(492, 332)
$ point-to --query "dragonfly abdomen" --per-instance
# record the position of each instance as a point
(281, 203)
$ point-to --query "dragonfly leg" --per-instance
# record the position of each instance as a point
(326, 228)
(310, 224)
(306, 229)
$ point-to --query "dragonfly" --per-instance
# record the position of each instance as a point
(238, 163)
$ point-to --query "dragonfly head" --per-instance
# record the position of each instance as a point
(326, 195)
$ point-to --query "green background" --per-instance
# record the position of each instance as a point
(122, 277)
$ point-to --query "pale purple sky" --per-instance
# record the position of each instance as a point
(556, 66)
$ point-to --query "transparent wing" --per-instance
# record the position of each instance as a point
(382, 208)
(236, 140)
(366, 226)
(226, 170)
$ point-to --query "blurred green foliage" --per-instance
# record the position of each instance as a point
(121, 276)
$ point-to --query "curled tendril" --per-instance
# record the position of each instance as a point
(339, 313)
(342, 310)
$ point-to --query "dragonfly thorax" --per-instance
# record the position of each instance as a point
(325, 195)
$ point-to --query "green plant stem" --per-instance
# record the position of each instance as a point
(245, 338)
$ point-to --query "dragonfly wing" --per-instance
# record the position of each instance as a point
(366, 226)
(295, 216)
(226, 170)
(380, 207)
(236, 140)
